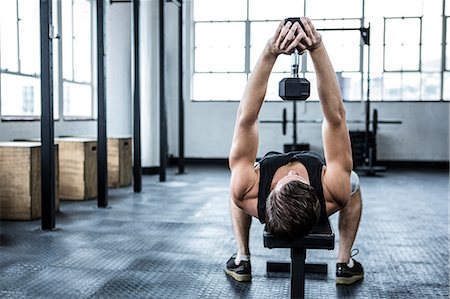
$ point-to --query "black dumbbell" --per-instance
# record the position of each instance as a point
(292, 89)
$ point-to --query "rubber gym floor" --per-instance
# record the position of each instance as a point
(173, 239)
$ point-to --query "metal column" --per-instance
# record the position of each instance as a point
(47, 126)
(137, 167)
(181, 160)
(162, 101)
(102, 166)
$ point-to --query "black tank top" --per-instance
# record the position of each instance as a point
(270, 163)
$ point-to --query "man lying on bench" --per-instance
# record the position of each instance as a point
(291, 192)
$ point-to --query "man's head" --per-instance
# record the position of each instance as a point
(292, 208)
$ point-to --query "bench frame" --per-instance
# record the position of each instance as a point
(321, 237)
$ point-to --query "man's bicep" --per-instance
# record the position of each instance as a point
(245, 144)
(242, 179)
(337, 147)
(337, 182)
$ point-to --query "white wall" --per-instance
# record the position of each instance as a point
(118, 21)
(422, 136)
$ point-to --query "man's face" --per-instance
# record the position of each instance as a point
(291, 176)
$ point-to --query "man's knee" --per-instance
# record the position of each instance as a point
(354, 183)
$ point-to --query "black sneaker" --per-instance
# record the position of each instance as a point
(241, 272)
(347, 275)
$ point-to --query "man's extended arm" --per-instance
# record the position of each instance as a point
(245, 139)
(336, 140)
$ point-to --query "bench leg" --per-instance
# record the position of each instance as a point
(298, 256)
(277, 266)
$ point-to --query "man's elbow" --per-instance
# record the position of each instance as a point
(341, 203)
(337, 118)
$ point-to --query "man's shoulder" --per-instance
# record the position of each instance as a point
(243, 179)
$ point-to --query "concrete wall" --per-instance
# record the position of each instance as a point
(422, 136)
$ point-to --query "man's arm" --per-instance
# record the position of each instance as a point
(245, 139)
(336, 140)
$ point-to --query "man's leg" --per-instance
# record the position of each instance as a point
(349, 218)
(238, 266)
(349, 270)
(241, 229)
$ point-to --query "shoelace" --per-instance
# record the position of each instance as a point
(356, 250)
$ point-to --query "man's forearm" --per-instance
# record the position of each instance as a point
(327, 86)
(255, 90)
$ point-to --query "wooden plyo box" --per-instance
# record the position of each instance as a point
(77, 168)
(20, 180)
(119, 162)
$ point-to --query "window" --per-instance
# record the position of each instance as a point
(405, 60)
(77, 58)
(20, 58)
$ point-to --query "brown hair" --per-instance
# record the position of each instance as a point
(293, 210)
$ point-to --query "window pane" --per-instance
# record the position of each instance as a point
(391, 8)
(220, 34)
(67, 37)
(411, 8)
(350, 84)
(82, 40)
(401, 58)
(337, 24)
(8, 35)
(260, 32)
(219, 87)
(205, 10)
(77, 100)
(431, 86)
(392, 86)
(272, 93)
(275, 10)
(433, 8)
(396, 30)
(283, 63)
(219, 59)
(320, 9)
(376, 87)
(343, 48)
(29, 38)
(431, 44)
(411, 86)
(220, 47)
(447, 52)
(21, 96)
(314, 96)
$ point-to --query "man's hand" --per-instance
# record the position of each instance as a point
(285, 39)
(310, 37)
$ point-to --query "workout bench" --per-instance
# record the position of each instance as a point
(321, 237)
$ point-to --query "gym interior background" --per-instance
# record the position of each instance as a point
(171, 238)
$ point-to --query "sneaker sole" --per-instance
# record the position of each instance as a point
(238, 277)
(349, 280)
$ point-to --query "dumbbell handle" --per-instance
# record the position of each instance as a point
(295, 58)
